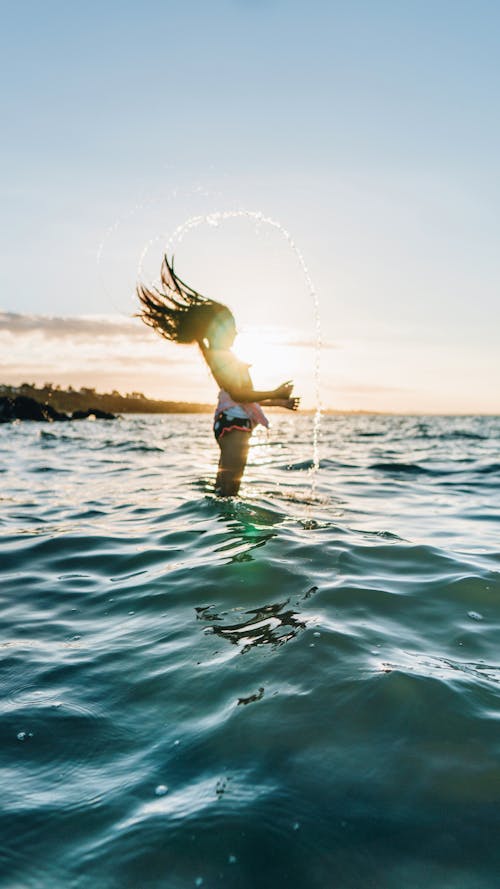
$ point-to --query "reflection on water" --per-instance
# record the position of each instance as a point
(251, 699)
(268, 625)
(249, 537)
(248, 524)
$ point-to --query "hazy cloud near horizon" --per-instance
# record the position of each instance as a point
(81, 326)
(106, 326)
(109, 351)
(357, 372)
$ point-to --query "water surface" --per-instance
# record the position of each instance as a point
(291, 688)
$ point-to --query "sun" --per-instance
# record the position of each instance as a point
(270, 354)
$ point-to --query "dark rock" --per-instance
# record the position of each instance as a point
(6, 412)
(23, 408)
(52, 414)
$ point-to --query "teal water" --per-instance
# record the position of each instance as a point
(283, 690)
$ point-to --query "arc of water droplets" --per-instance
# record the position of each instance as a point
(219, 216)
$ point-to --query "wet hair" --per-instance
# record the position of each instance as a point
(176, 311)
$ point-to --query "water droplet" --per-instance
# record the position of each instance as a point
(21, 736)
(176, 743)
(474, 615)
(161, 790)
(296, 826)
(131, 612)
(316, 633)
(232, 859)
(198, 881)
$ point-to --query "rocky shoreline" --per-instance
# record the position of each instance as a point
(21, 407)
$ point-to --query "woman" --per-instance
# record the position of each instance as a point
(182, 315)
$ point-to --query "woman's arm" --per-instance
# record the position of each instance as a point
(280, 394)
(232, 376)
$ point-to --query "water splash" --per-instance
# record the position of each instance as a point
(214, 219)
(111, 230)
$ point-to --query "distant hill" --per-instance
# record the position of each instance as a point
(70, 399)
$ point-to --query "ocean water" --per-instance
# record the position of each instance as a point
(295, 688)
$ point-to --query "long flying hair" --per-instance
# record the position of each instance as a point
(177, 312)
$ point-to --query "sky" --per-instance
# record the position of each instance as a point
(368, 129)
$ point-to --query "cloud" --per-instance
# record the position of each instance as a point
(115, 351)
(92, 327)
(367, 389)
(104, 351)
(289, 337)
(73, 327)
(309, 344)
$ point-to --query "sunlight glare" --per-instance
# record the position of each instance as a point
(267, 352)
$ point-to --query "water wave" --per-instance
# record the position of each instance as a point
(298, 683)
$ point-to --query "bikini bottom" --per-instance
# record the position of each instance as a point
(223, 424)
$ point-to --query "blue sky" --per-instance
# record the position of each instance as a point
(369, 129)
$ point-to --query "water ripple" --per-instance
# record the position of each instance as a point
(255, 692)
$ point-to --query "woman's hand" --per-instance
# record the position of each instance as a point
(283, 391)
(291, 404)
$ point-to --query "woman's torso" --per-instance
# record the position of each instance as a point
(241, 376)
